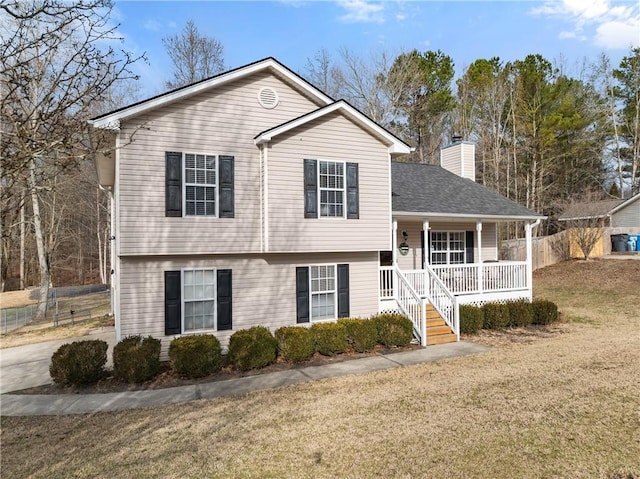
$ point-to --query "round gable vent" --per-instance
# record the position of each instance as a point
(268, 98)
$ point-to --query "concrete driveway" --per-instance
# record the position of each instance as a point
(28, 366)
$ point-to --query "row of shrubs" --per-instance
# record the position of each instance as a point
(137, 359)
(520, 313)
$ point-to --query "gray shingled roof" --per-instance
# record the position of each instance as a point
(430, 189)
(589, 209)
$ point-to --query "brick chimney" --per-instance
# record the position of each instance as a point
(459, 157)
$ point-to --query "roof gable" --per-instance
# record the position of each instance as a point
(112, 119)
(431, 190)
(396, 145)
(625, 203)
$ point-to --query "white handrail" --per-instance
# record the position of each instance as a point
(410, 304)
(443, 300)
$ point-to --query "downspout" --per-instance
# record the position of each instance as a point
(115, 242)
(265, 155)
(528, 233)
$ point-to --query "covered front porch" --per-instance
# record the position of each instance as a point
(457, 259)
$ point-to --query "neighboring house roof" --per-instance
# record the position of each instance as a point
(626, 203)
(112, 119)
(396, 145)
(420, 189)
(590, 209)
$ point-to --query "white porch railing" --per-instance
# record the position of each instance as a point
(483, 278)
(412, 290)
(410, 304)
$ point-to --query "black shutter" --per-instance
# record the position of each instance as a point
(310, 189)
(469, 246)
(224, 300)
(353, 209)
(172, 303)
(226, 183)
(173, 183)
(343, 290)
(302, 294)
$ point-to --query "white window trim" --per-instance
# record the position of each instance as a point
(335, 293)
(215, 301)
(185, 184)
(448, 251)
(343, 189)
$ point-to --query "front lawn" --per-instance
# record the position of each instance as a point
(562, 404)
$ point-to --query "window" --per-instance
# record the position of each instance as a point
(331, 189)
(331, 174)
(323, 292)
(200, 184)
(199, 299)
(448, 247)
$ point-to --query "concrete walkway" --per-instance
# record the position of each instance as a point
(27, 366)
(51, 405)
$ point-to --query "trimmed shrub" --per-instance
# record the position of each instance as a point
(295, 343)
(520, 313)
(496, 316)
(252, 348)
(394, 329)
(136, 359)
(544, 312)
(362, 334)
(81, 362)
(195, 356)
(471, 318)
(329, 338)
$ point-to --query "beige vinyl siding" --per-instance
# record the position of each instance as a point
(333, 138)
(459, 159)
(627, 217)
(413, 260)
(221, 122)
(263, 288)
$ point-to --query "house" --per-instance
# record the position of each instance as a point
(254, 198)
(617, 218)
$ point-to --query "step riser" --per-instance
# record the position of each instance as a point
(438, 332)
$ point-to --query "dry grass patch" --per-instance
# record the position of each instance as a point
(563, 405)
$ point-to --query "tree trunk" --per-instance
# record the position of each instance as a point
(22, 244)
(42, 254)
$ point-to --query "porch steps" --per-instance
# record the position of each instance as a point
(438, 332)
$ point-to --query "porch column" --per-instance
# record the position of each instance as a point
(394, 243)
(425, 232)
(425, 255)
(479, 243)
(528, 236)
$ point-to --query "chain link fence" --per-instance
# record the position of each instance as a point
(14, 318)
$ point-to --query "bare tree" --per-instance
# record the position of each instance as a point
(585, 219)
(57, 64)
(324, 73)
(195, 56)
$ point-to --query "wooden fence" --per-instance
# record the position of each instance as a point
(546, 250)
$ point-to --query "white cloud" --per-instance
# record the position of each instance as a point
(606, 23)
(362, 11)
(618, 35)
(152, 25)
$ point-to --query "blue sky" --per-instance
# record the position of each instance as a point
(294, 30)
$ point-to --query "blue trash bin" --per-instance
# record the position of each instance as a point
(631, 243)
(637, 242)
